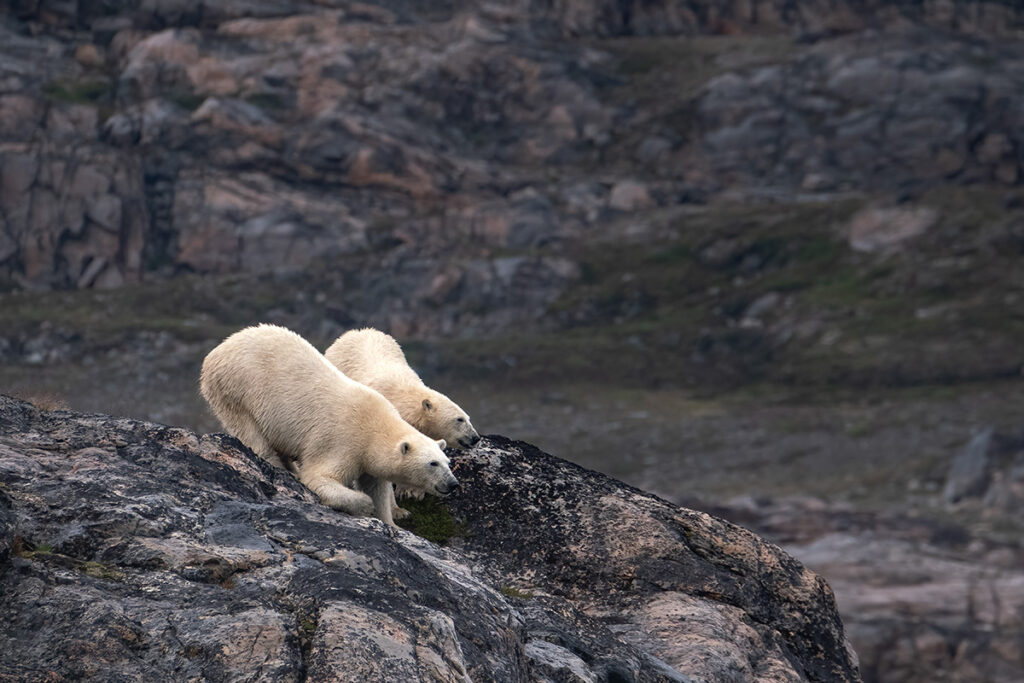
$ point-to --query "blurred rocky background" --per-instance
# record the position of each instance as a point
(761, 257)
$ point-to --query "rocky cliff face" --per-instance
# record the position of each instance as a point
(134, 550)
(266, 136)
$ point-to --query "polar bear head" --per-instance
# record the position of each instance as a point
(441, 418)
(423, 465)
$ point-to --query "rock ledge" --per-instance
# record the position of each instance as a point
(135, 551)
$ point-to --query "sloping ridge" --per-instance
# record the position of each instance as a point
(135, 551)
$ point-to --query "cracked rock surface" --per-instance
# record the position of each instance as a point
(135, 551)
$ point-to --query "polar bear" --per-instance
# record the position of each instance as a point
(375, 359)
(277, 394)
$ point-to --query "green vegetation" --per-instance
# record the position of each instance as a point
(187, 100)
(98, 570)
(649, 67)
(649, 64)
(307, 626)
(76, 92)
(269, 101)
(673, 312)
(44, 553)
(191, 307)
(513, 592)
(431, 519)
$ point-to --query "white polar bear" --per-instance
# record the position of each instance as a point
(375, 359)
(277, 394)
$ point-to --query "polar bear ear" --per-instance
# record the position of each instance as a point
(405, 448)
(442, 443)
(427, 405)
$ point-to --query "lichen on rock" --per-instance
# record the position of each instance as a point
(170, 555)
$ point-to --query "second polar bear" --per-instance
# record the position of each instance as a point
(375, 359)
(277, 394)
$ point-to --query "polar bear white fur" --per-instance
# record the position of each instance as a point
(277, 394)
(375, 359)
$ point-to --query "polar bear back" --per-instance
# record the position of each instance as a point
(300, 402)
(373, 358)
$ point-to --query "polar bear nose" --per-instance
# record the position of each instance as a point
(449, 486)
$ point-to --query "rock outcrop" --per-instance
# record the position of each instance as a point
(988, 472)
(147, 139)
(923, 600)
(136, 551)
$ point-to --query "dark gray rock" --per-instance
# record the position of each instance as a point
(659, 574)
(905, 110)
(988, 472)
(922, 599)
(135, 551)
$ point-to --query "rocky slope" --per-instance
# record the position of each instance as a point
(924, 597)
(267, 136)
(774, 203)
(130, 549)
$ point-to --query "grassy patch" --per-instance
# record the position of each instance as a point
(97, 570)
(43, 400)
(431, 519)
(648, 64)
(269, 101)
(191, 307)
(513, 592)
(187, 100)
(76, 92)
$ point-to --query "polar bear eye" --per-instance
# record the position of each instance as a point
(434, 463)
(460, 419)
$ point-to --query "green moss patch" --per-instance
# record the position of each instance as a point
(430, 519)
(513, 592)
(76, 92)
(44, 553)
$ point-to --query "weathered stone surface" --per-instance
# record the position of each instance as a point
(877, 229)
(896, 111)
(659, 17)
(272, 135)
(922, 600)
(703, 596)
(988, 472)
(134, 550)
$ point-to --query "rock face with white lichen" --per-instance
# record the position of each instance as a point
(135, 551)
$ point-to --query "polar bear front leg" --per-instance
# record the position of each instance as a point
(334, 494)
(396, 511)
(383, 496)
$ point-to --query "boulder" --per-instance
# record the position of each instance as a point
(136, 551)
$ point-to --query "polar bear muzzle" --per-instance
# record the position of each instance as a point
(447, 486)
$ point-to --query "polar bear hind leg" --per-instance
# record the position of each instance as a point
(334, 494)
(244, 428)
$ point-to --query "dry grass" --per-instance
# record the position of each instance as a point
(43, 400)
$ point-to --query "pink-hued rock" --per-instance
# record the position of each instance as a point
(169, 554)
(875, 229)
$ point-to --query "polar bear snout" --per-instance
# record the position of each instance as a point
(447, 486)
(469, 441)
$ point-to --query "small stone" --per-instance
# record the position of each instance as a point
(876, 229)
(88, 55)
(629, 195)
